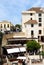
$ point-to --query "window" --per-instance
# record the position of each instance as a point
(1, 29)
(1, 25)
(8, 25)
(32, 25)
(40, 24)
(39, 14)
(39, 38)
(4, 25)
(31, 14)
(39, 19)
(39, 31)
(31, 18)
(42, 38)
(32, 32)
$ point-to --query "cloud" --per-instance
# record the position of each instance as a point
(11, 9)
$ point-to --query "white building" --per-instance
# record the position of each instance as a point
(32, 28)
(33, 22)
(5, 25)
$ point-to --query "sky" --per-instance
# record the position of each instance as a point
(11, 9)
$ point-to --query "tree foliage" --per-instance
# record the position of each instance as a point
(32, 46)
(12, 28)
(42, 53)
(18, 27)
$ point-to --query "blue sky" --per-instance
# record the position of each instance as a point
(11, 9)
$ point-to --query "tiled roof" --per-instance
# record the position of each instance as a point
(4, 21)
(31, 22)
(36, 9)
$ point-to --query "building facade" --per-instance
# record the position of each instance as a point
(32, 28)
(33, 22)
(5, 26)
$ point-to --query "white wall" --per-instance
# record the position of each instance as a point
(3, 29)
(29, 28)
(26, 28)
(25, 18)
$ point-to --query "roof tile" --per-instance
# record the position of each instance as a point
(37, 9)
(31, 22)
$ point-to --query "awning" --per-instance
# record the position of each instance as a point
(16, 50)
(21, 57)
(20, 39)
(22, 49)
(13, 50)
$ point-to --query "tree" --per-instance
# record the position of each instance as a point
(18, 27)
(12, 28)
(32, 46)
(42, 53)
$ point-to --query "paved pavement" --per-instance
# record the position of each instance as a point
(42, 63)
(28, 58)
